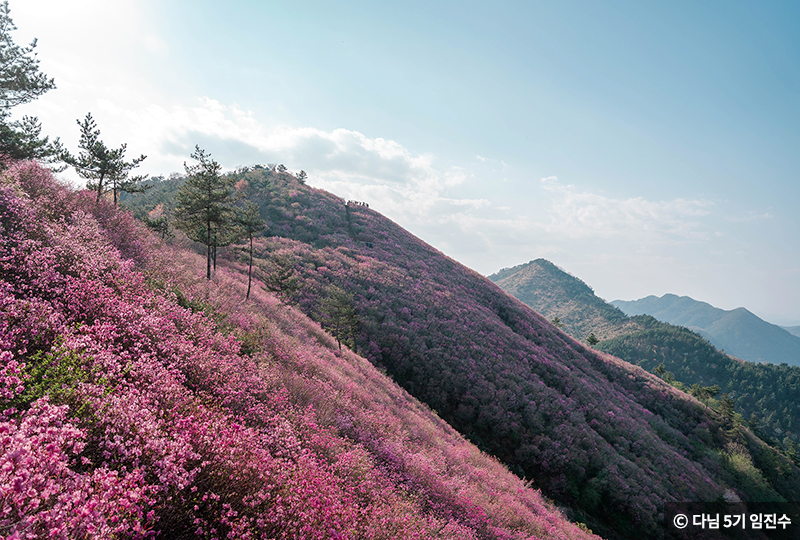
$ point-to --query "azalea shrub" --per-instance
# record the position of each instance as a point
(141, 401)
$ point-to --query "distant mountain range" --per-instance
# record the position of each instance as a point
(765, 394)
(738, 332)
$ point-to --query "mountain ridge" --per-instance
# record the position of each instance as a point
(535, 284)
(738, 331)
(794, 330)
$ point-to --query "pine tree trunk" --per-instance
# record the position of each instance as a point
(208, 250)
(99, 187)
(250, 270)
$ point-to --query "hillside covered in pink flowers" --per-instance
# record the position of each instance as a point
(606, 440)
(140, 400)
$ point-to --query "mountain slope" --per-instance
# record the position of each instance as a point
(139, 400)
(765, 394)
(553, 293)
(738, 331)
(603, 438)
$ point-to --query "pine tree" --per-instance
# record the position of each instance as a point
(340, 316)
(726, 408)
(282, 280)
(249, 222)
(205, 203)
(592, 340)
(98, 164)
(21, 82)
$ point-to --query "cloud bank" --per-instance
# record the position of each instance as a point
(417, 189)
(583, 214)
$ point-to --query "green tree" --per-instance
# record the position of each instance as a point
(592, 340)
(205, 203)
(339, 316)
(249, 222)
(159, 225)
(158, 221)
(282, 280)
(660, 370)
(790, 448)
(557, 323)
(105, 169)
(224, 234)
(21, 82)
(704, 393)
(726, 408)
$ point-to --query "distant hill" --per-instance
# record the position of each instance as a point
(738, 332)
(553, 292)
(794, 330)
(766, 394)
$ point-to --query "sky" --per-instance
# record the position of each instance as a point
(647, 148)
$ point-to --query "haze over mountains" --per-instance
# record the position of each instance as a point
(794, 330)
(738, 332)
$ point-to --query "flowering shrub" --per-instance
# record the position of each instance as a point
(131, 410)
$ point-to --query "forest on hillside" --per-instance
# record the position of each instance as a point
(764, 394)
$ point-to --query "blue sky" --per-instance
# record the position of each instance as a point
(646, 148)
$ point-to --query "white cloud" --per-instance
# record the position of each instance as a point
(410, 187)
(154, 44)
(750, 216)
(582, 214)
(346, 162)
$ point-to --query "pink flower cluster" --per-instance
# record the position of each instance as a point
(44, 496)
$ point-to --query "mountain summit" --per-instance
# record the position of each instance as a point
(553, 292)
